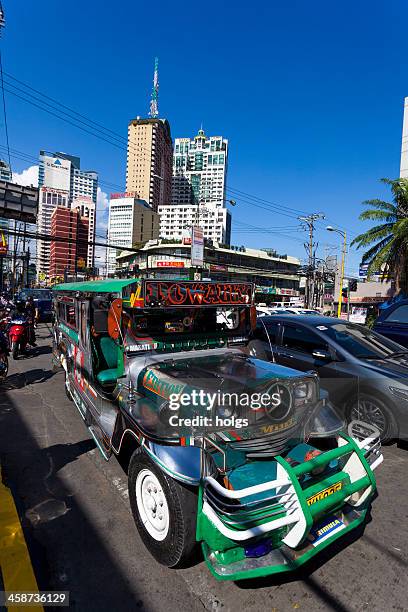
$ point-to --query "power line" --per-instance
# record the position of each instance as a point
(120, 142)
(273, 206)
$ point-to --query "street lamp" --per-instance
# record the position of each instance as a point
(343, 258)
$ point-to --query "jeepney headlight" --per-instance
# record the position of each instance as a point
(303, 393)
(324, 422)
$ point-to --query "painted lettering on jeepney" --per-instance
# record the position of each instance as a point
(277, 426)
(135, 298)
(79, 367)
(168, 293)
(159, 385)
(325, 493)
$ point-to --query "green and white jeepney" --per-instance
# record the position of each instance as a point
(243, 456)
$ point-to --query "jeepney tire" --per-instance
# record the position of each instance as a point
(390, 429)
(177, 547)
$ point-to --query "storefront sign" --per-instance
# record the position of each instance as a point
(170, 264)
(218, 268)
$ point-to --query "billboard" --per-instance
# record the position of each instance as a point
(18, 202)
(57, 172)
(197, 246)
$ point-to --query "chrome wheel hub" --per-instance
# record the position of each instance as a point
(370, 412)
(152, 505)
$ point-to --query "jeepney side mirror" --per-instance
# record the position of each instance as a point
(114, 318)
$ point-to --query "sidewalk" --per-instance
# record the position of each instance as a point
(15, 563)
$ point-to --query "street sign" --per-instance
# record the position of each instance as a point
(197, 246)
(3, 244)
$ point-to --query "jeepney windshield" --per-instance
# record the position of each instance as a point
(171, 324)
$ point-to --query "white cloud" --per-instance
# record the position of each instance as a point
(29, 176)
(102, 212)
(102, 200)
(102, 215)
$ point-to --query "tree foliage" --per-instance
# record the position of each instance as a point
(386, 244)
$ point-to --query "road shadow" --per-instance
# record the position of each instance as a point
(305, 573)
(67, 550)
(22, 379)
(42, 350)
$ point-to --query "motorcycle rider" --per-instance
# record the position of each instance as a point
(32, 315)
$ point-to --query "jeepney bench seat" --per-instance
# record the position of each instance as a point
(108, 361)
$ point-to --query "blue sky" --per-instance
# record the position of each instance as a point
(309, 94)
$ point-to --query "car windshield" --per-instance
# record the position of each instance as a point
(36, 294)
(360, 341)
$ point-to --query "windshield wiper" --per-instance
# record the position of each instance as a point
(389, 356)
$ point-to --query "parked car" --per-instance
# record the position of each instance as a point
(42, 300)
(365, 374)
(392, 322)
(302, 311)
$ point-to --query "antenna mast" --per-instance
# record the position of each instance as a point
(154, 101)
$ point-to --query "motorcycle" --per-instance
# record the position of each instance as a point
(18, 335)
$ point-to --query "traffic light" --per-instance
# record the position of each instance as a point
(353, 284)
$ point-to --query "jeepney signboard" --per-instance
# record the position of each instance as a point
(170, 294)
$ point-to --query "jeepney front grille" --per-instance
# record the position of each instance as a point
(268, 445)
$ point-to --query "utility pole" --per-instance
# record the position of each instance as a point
(308, 222)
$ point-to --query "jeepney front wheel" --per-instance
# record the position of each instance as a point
(165, 512)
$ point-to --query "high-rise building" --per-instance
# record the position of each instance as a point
(61, 182)
(176, 222)
(198, 188)
(87, 210)
(149, 160)
(200, 170)
(404, 146)
(68, 257)
(5, 175)
(131, 221)
(5, 171)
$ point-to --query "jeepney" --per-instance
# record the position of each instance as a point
(161, 374)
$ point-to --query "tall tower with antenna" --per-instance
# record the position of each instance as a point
(154, 101)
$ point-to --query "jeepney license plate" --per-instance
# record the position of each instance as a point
(325, 529)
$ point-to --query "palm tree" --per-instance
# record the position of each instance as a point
(389, 239)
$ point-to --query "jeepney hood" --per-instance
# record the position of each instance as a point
(220, 369)
(188, 394)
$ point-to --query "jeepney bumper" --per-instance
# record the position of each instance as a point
(277, 526)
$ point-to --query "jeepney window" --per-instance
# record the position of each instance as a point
(71, 318)
(66, 313)
(83, 322)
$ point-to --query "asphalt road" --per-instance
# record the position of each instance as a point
(81, 535)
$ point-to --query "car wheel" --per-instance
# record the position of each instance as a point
(375, 411)
(165, 512)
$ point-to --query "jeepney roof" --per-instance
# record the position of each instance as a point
(110, 285)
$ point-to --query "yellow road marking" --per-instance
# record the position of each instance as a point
(15, 562)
